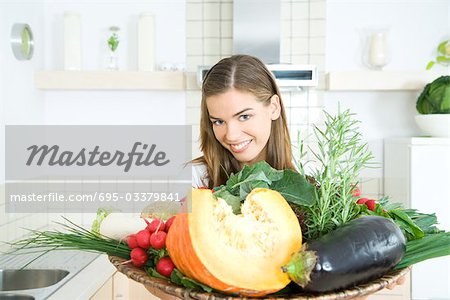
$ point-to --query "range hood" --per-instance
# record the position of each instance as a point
(257, 32)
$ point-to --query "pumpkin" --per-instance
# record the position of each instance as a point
(236, 254)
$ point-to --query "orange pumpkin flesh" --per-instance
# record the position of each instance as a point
(239, 254)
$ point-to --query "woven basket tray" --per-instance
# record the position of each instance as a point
(181, 292)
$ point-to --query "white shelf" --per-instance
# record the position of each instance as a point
(380, 80)
(109, 80)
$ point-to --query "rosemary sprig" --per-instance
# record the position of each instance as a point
(340, 156)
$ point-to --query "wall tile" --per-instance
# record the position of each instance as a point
(226, 29)
(211, 11)
(286, 29)
(318, 10)
(300, 11)
(286, 11)
(300, 59)
(318, 28)
(194, 29)
(300, 46)
(227, 47)
(317, 45)
(194, 11)
(299, 99)
(193, 61)
(300, 28)
(211, 46)
(194, 46)
(211, 59)
(226, 11)
(211, 29)
(285, 47)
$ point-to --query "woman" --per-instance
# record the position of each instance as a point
(243, 121)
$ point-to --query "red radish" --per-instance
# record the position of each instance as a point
(370, 204)
(356, 192)
(138, 257)
(165, 266)
(155, 225)
(132, 242)
(143, 238)
(361, 200)
(158, 240)
(169, 223)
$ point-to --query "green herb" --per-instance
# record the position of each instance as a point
(340, 156)
(430, 246)
(113, 41)
(178, 278)
(293, 186)
(443, 56)
(75, 238)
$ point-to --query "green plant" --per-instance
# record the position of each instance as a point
(435, 97)
(113, 41)
(341, 155)
(443, 56)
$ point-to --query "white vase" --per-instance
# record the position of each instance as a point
(146, 42)
(72, 41)
(376, 54)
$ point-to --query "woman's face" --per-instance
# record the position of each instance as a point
(242, 124)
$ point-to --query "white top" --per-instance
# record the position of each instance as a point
(199, 175)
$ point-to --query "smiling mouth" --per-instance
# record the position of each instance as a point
(236, 148)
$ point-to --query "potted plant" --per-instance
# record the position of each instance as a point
(433, 106)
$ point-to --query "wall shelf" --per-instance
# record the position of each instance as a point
(109, 80)
(379, 80)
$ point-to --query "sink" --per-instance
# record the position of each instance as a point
(16, 297)
(12, 280)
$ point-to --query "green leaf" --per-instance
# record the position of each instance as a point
(443, 60)
(178, 278)
(153, 273)
(295, 188)
(230, 199)
(430, 65)
(405, 222)
(442, 47)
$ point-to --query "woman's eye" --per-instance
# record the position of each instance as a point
(217, 122)
(244, 117)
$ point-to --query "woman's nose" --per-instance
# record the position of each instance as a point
(232, 132)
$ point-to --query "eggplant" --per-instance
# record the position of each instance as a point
(359, 251)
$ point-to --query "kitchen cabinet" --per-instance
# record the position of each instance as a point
(417, 174)
(120, 287)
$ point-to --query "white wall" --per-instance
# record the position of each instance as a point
(115, 107)
(416, 28)
(20, 103)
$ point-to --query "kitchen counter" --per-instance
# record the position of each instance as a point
(84, 284)
(87, 273)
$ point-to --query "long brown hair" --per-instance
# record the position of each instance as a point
(249, 74)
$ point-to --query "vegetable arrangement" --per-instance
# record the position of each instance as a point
(245, 237)
(435, 97)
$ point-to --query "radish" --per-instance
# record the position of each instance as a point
(158, 240)
(165, 266)
(155, 225)
(132, 242)
(370, 204)
(361, 200)
(138, 257)
(143, 238)
(119, 226)
(169, 223)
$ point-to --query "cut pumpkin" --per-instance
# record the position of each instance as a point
(238, 254)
